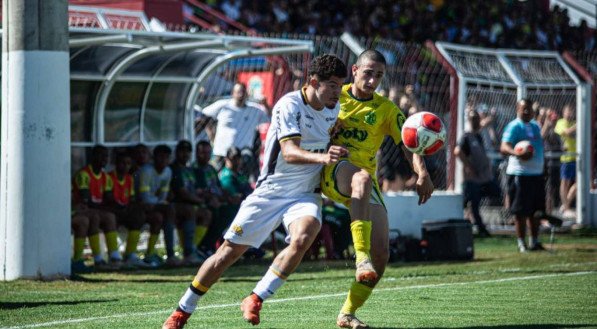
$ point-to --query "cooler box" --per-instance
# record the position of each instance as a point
(447, 239)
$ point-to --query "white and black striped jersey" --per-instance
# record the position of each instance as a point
(292, 117)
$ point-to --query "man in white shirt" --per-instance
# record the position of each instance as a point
(237, 122)
(287, 190)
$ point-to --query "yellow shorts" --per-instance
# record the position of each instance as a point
(330, 189)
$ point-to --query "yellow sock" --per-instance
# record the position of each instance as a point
(153, 238)
(79, 245)
(200, 232)
(111, 241)
(361, 237)
(132, 241)
(357, 295)
(94, 244)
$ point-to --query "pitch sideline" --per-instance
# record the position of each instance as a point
(283, 300)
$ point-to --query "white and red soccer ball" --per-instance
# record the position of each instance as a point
(423, 133)
(522, 146)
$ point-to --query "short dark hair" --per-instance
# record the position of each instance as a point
(184, 145)
(162, 149)
(202, 143)
(97, 149)
(326, 66)
(373, 55)
(121, 153)
(233, 152)
(526, 100)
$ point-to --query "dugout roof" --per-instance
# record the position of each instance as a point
(140, 86)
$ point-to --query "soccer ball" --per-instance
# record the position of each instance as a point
(522, 146)
(423, 133)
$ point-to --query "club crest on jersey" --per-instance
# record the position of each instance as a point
(237, 230)
(370, 118)
(401, 119)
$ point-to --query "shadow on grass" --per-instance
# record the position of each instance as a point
(17, 305)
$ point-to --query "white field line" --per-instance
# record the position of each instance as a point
(284, 300)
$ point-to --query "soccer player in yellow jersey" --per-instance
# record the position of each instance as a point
(365, 119)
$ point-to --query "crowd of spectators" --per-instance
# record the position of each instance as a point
(500, 24)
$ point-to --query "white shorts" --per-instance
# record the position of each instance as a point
(259, 216)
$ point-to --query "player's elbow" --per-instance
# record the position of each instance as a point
(289, 157)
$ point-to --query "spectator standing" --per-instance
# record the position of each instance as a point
(526, 188)
(566, 129)
(237, 123)
(553, 145)
(477, 170)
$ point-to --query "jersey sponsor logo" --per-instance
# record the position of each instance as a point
(328, 119)
(237, 230)
(309, 117)
(354, 133)
(370, 118)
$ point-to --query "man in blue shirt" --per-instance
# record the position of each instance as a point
(526, 186)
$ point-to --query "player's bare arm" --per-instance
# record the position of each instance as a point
(293, 153)
(424, 184)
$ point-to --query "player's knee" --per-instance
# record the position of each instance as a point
(109, 220)
(227, 255)
(301, 242)
(94, 225)
(80, 226)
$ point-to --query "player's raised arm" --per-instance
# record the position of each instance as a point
(294, 154)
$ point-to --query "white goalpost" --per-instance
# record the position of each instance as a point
(492, 80)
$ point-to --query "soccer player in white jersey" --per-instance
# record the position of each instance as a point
(287, 190)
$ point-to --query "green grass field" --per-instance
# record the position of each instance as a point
(499, 289)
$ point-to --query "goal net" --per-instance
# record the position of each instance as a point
(491, 82)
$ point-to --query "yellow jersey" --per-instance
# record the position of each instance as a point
(364, 124)
(569, 142)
